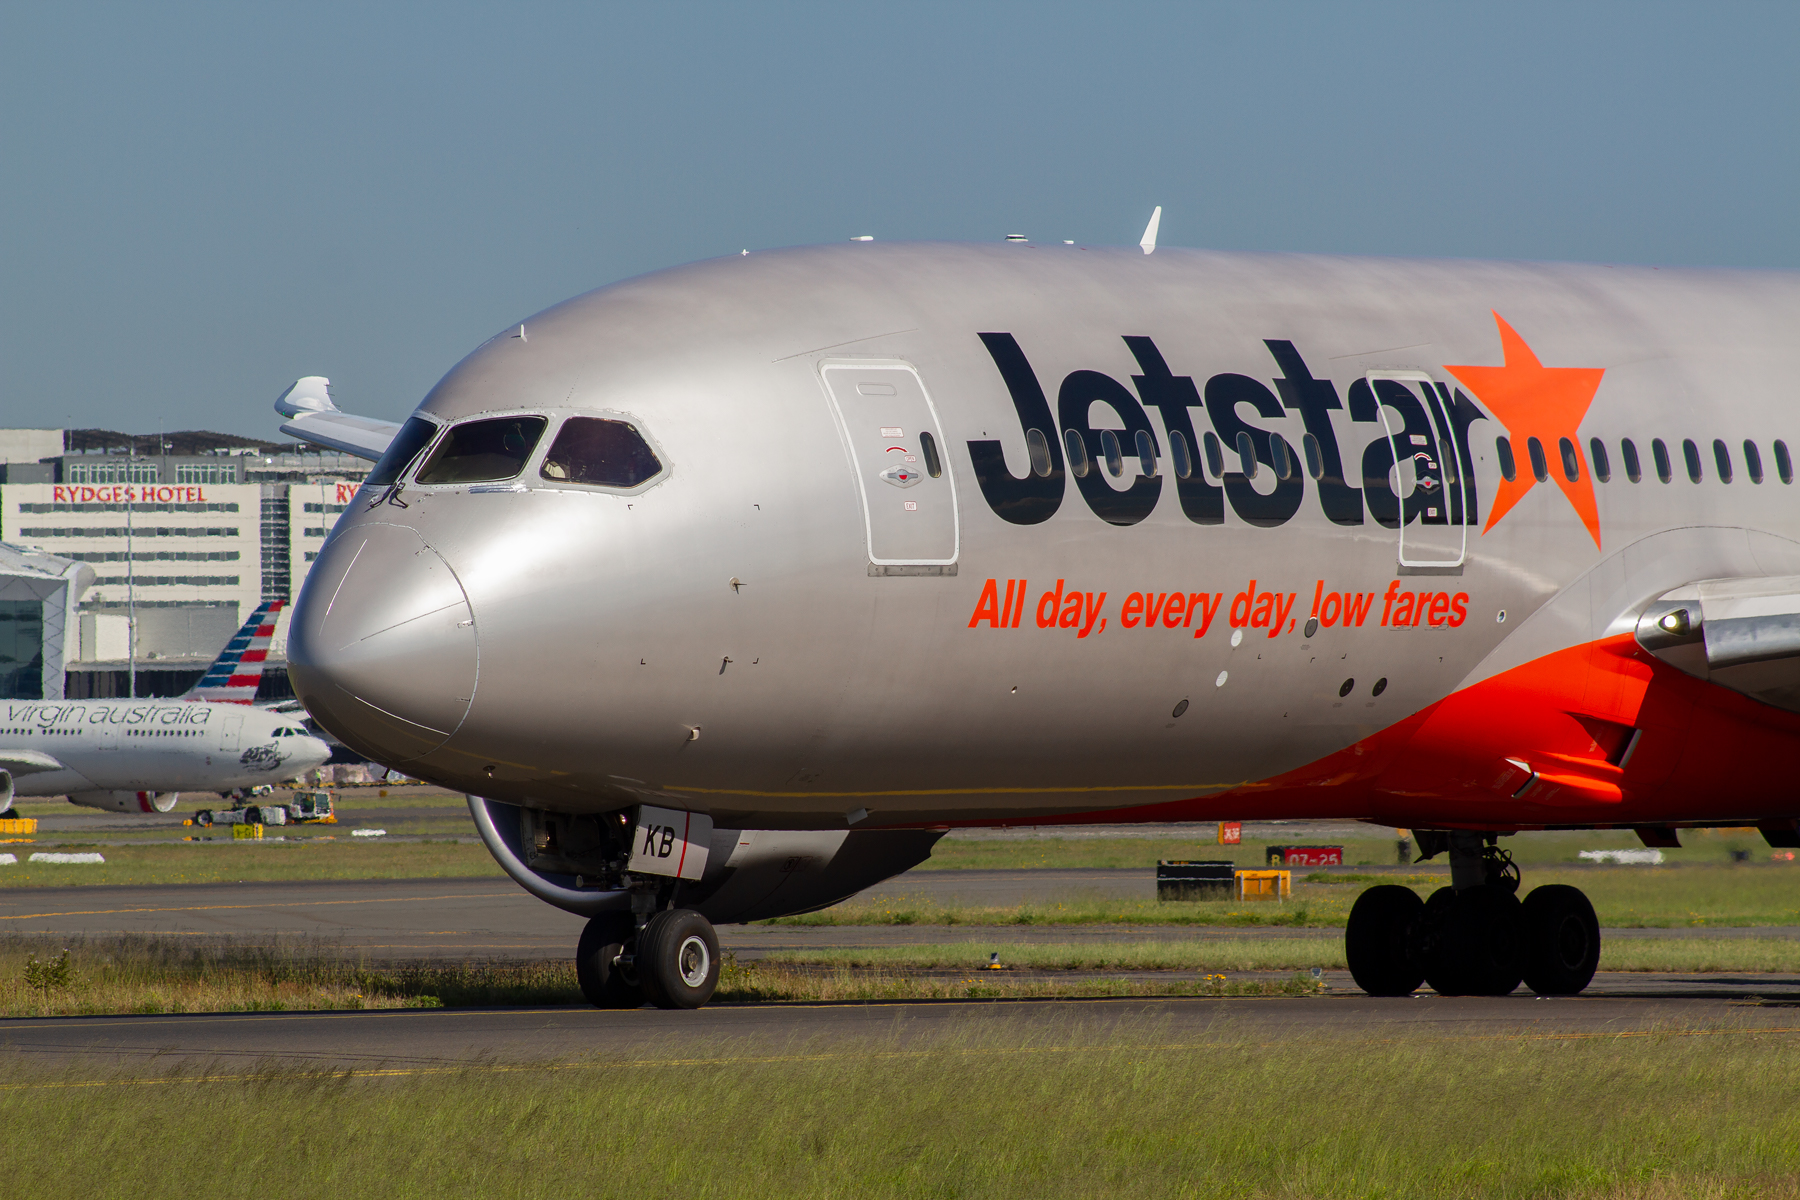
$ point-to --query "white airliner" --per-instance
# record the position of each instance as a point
(723, 591)
(138, 755)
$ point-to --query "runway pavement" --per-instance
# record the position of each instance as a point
(405, 1041)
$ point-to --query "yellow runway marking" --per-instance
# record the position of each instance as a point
(107, 912)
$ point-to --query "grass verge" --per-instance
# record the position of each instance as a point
(146, 974)
(1000, 1108)
(1624, 897)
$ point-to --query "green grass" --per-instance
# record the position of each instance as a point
(1705, 847)
(138, 973)
(1623, 897)
(161, 974)
(315, 856)
(1005, 1107)
(1272, 954)
(1245, 954)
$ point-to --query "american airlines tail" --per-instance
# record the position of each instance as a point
(235, 674)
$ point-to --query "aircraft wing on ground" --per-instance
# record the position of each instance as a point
(314, 418)
(27, 762)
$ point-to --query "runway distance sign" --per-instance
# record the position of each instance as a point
(667, 841)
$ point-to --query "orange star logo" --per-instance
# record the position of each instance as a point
(1546, 403)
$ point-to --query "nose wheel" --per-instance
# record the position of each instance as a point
(672, 962)
(1475, 939)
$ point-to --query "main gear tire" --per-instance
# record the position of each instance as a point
(678, 959)
(1474, 941)
(604, 980)
(1378, 941)
(1562, 940)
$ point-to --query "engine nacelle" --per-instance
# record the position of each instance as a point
(6, 792)
(126, 802)
(751, 874)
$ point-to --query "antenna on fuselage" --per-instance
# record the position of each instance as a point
(1149, 240)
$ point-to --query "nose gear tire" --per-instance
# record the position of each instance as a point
(678, 959)
(1378, 940)
(603, 980)
(1562, 940)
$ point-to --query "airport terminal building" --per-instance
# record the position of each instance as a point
(188, 531)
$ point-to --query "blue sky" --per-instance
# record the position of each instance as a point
(199, 203)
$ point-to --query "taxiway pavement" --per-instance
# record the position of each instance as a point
(410, 1041)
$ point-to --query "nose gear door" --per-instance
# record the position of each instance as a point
(902, 474)
(1426, 478)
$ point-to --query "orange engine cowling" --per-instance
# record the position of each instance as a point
(126, 802)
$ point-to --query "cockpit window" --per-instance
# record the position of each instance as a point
(483, 451)
(413, 437)
(595, 450)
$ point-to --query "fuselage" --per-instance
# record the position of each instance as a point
(154, 745)
(764, 631)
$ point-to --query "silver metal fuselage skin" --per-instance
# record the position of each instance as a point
(717, 641)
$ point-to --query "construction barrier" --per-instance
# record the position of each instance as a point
(1264, 885)
(18, 827)
(241, 833)
(1184, 879)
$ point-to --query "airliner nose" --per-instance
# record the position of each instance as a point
(382, 646)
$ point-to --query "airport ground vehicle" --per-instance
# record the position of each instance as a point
(303, 808)
(723, 591)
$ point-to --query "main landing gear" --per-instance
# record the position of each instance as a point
(1473, 938)
(671, 960)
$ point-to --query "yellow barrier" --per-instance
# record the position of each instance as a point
(18, 825)
(246, 832)
(1264, 885)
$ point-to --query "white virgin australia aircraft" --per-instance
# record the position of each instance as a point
(723, 591)
(138, 755)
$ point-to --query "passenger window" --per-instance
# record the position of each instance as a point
(1571, 460)
(1246, 454)
(1509, 470)
(1784, 466)
(1076, 448)
(600, 451)
(934, 466)
(1634, 471)
(1660, 452)
(1146, 449)
(1178, 450)
(1315, 459)
(1602, 467)
(1115, 457)
(1722, 458)
(1037, 446)
(483, 451)
(413, 437)
(1281, 457)
(1752, 461)
(1215, 456)
(1540, 466)
(1691, 453)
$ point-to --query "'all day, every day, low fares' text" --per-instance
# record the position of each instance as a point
(1004, 604)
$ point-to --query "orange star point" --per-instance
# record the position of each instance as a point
(1535, 401)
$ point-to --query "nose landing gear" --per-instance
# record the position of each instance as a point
(1473, 938)
(672, 961)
